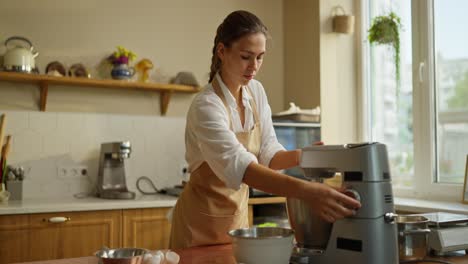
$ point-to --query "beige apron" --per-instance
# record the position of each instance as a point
(207, 209)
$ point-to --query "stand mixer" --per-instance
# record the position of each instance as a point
(368, 237)
(111, 182)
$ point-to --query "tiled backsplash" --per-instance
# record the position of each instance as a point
(44, 142)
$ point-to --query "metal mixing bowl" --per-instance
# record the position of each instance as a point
(121, 255)
(260, 245)
(311, 230)
(261, 232)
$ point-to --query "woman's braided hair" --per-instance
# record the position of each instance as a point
(236, 25)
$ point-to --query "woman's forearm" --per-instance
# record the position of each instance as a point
(285, 159)
(327, 202)
(268, 180)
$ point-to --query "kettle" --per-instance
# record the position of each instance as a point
(19, 58)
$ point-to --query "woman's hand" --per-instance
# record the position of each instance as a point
(329, 203)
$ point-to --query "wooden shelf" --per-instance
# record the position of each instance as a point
(166, 90)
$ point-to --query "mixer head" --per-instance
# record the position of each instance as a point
(319, 174)
(117, 150)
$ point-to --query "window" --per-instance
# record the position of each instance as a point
(451, 84)
(423, 119)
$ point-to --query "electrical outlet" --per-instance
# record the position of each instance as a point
(72, 171)
(183, 170)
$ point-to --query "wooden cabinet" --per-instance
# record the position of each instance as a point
(77, 234)
(14, 238)
(81, 235)
(34, 237)
(260, 201)
(146, 228)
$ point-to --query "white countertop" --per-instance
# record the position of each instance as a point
(426, 206)
(70, 204)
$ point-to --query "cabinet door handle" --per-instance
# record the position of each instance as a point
(58, 219)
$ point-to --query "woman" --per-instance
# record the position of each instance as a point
(231, 144)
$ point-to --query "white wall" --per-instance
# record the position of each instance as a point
(176, 35)
(302, 53)
(321, 66)
(338, 76)
(44, 143)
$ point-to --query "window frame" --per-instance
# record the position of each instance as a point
(424, 103)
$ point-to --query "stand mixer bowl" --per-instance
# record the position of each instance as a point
(310, 230)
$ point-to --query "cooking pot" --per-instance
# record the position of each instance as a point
(19, 57)
(412, 236)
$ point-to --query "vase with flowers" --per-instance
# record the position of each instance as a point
(120, 60)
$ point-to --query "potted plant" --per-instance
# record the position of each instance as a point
(385, 30)
(120, 60)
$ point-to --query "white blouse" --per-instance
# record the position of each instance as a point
(209, 138)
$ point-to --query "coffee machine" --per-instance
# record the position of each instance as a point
(111, 183)
(369, 236)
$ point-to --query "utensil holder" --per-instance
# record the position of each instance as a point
(16, 189)
(4, 194)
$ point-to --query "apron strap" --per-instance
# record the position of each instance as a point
(254, 106)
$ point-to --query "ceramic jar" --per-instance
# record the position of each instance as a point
(122, 72)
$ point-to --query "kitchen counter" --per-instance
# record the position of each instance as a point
(221, 254)
(425, 206)
(71, 204)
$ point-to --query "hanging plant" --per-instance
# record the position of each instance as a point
(385, 30)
